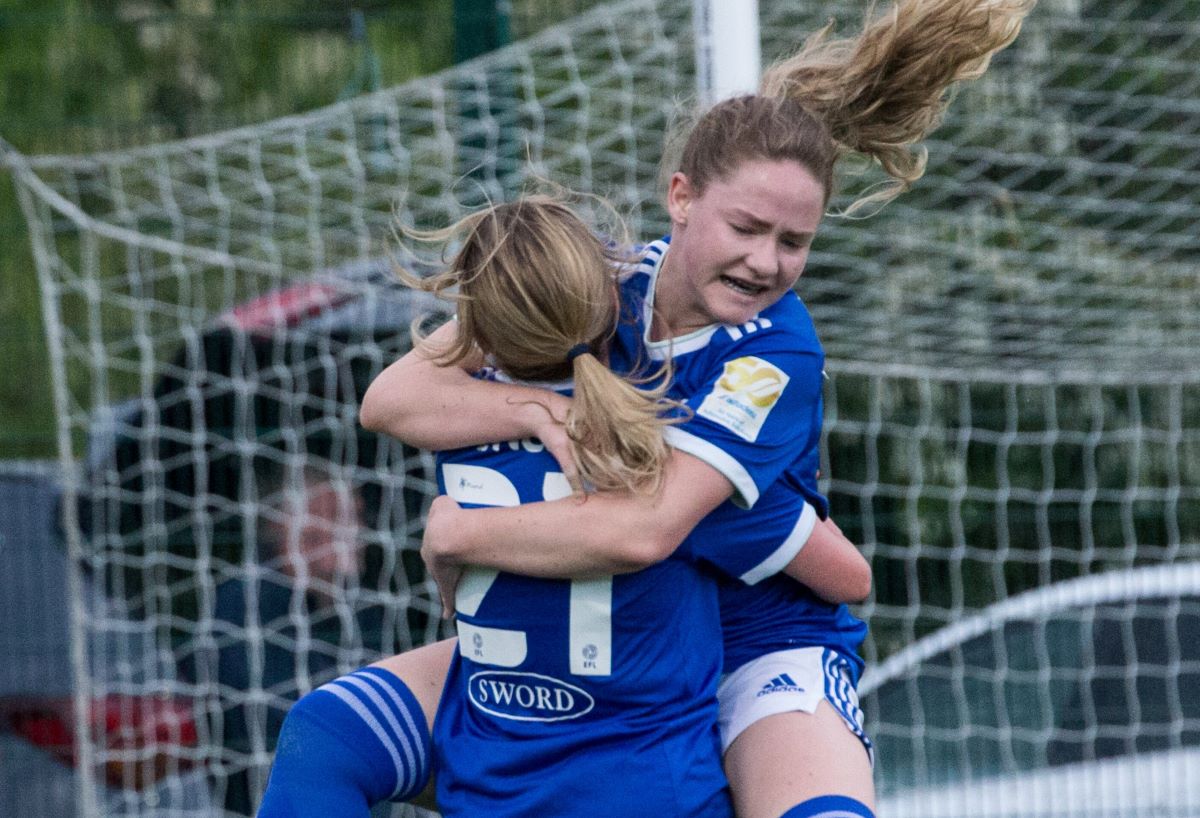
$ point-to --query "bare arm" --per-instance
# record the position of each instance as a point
(606, 533)
(613, 533)
(442, 407)
(432, 406)
(831, 566)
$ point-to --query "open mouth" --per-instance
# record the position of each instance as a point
(741, 287)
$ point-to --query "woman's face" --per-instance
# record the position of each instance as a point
(738, 246)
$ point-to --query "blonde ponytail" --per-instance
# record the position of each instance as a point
(884, 91)
(536, 292)
(616, 429)
(877, 94)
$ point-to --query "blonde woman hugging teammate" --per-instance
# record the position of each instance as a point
(736, 502)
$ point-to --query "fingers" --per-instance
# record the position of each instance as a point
(559, 446)
(447, 597)
(548, 421)
(444, 572)
(447, 583)
(445, 576)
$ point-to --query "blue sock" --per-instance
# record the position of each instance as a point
(346, 746)
(830, 806)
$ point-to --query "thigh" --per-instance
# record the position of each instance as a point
(787, 758)
(424, 670)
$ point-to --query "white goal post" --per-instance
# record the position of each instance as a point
(728, 48)
(1012, 404)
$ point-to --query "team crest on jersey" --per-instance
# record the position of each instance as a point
(744, 395)
(527, 696)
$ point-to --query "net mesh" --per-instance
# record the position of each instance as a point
(1070, 699)
(1014, 394)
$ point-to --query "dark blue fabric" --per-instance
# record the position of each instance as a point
(829, 806)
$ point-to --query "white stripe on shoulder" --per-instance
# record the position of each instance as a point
(553, 386)
(652, 255)
(745, 492)
(656, 248)
(749, 328)
(786, 551)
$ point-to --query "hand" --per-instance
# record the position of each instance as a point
(440, 526)
(548, 423)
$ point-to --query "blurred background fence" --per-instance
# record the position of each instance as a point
(78, 76)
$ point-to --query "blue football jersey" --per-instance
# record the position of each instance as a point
(576, 698)
(754, 392)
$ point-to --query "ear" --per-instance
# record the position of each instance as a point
(680, 195)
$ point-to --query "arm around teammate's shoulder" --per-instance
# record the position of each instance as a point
(430, 406)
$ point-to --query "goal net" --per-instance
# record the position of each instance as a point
(1013, 403)
(1076, 698)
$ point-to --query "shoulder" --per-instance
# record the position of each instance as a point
(635, 277)
(775, 354)
(643, 259)
(783, 333)
(791, 313)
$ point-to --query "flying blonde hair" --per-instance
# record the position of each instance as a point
(536, 293)
(877, 94)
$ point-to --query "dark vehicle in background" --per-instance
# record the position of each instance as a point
(178, 490)
(277, 378)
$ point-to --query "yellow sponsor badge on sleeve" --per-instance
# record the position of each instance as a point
(744, 395)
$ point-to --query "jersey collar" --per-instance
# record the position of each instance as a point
(667, 347)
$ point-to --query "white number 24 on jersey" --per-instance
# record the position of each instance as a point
(590, 616)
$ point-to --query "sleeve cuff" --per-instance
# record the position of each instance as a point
(745, 491)
(787, 550)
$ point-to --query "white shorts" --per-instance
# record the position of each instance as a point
(784, 682)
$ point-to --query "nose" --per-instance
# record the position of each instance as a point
(763, 257)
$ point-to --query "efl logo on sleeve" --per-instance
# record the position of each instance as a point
(744, 396)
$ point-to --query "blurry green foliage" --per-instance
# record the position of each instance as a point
(79, 76)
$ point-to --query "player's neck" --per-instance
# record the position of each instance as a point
(671, 316)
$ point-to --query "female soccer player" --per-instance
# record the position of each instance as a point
(559, 687)
(745, 200)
